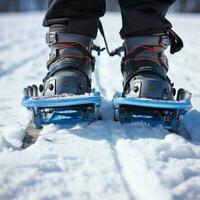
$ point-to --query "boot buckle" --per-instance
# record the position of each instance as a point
(51, 38)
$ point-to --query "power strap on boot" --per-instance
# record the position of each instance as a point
(176, 42)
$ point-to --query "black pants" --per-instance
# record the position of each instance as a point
(82, 16)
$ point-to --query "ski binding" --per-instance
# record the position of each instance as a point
(63, 109)
(168, 114)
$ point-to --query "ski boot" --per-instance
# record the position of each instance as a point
(148, 94)
(66, 94)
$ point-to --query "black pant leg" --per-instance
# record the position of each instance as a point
(144, 16)
(80, 16)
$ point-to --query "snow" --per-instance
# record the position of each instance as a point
(13, 136)
(104, 160)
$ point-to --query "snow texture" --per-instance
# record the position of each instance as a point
(104, 160)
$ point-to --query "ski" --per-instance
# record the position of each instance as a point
(31, 136)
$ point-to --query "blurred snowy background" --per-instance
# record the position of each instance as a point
(32, 5)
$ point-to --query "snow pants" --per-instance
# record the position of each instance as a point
(139, 17)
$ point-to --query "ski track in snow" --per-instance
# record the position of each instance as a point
(104, 160)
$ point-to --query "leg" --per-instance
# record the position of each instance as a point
(73, 25)
(147, 35)
(80, 16)
(144, 16)
(148, 94)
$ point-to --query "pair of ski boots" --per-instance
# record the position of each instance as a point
(68, 98)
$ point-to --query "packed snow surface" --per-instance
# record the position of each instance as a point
(104, 160)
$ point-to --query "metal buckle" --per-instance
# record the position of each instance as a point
(51, 38)
(53, 54)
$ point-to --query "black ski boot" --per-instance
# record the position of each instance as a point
(144, 68)
(66, 94)
(70, 65)
(148, 94)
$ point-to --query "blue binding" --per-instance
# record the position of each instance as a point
(68, 113)
(181, 106)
